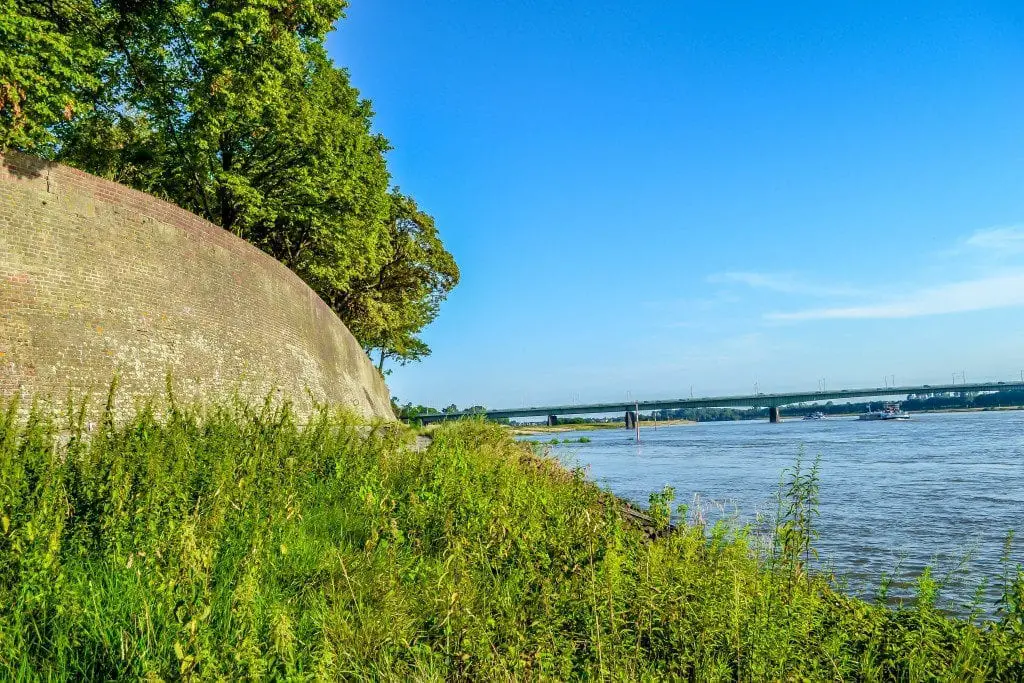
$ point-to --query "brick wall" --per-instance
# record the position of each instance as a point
(98, 279)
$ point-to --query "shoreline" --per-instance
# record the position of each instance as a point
(593, 426)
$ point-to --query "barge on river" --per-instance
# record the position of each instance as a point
(891, 411)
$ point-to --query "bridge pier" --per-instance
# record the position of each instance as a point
(773, 414)
(630, 419)
(552, 420)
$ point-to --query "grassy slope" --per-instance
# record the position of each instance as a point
(238, 545)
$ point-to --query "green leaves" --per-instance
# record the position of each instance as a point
(234, 111)
(48, 58)
(404, 295)
(660, 508)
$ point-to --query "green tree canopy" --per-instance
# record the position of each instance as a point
(233, 110)
(48, 61)
(405, 292)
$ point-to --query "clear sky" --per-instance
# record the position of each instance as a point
(651, 196)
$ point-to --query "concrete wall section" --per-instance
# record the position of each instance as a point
(96, 278)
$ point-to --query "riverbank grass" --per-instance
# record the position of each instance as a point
(235, 544)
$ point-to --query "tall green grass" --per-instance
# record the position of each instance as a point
(235, 544)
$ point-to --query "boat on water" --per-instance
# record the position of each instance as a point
(891, 411)
(816, 415)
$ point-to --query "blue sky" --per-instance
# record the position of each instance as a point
(651, 196)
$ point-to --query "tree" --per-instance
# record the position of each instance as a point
(392, 305)
(48, 61)
(237, 106)
(411, 412)
(234, 111)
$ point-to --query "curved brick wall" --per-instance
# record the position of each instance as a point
(96, 278)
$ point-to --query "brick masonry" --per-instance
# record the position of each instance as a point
(98, 279)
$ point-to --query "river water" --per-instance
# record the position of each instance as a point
(894, 497)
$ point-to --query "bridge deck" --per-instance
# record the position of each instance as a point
(748, 401)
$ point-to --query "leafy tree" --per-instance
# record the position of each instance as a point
(48, 62)
(411, 412)
(391, 305)
(234, 111)
(227, 101)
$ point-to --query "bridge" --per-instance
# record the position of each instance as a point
(760, 400)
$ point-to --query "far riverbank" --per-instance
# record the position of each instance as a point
(591, 426)
(526, 430)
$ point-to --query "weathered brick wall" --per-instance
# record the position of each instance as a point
(98, 279)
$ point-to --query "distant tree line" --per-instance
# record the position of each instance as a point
(709, 414)
(234, 111)
(408, 411)
(1006, 398)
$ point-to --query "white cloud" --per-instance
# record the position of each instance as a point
(785, 283)
(1002, 291)
(1006, 240)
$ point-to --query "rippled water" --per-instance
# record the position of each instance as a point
(931, 491)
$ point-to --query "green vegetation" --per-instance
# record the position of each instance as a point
(234, 111)
(236, 545)
(47, 69)
(558, 428)
(1006, 398)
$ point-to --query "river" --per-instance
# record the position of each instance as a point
(894, 496)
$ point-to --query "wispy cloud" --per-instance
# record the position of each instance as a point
(724, 351)
(785, 283)
(1004, 240)
(1001, 291)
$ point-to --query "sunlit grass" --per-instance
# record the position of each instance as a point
(235, 544)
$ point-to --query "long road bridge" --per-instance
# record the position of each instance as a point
(760, 400)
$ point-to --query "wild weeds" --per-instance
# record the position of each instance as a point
(795, 532)
(235, 544)
(1011, 601)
